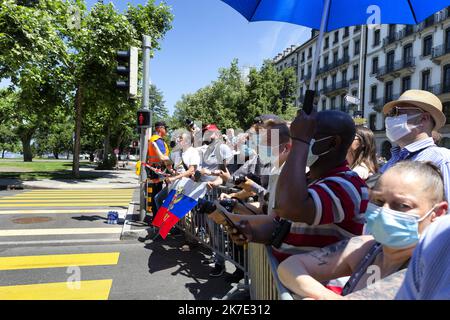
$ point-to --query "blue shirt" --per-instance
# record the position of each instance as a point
(439, 156)
(161, 146)
(428, 275)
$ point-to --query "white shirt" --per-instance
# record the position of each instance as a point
(191, 157)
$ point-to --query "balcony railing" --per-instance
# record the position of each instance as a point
(439, 89)
(440, 51)
(379, 103)
(334, 64)
(397, 66)
(390, 39)
(407, 31)
(334, 87)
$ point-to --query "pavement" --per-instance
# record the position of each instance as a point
(57, 244)
(122, 178)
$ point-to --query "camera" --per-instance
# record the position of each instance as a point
(189, 123)
(241, 179)
(206, 207)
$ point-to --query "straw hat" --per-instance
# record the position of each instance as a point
(424, 100)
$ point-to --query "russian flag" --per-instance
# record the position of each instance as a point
(182, 198)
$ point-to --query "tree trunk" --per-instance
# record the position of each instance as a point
(26, 145)
(55, 154)
(3, 154)
(106, 144)
(78, 119)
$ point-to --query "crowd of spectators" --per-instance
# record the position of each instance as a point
(338, 217)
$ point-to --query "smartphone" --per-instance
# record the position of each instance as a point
(224, 213)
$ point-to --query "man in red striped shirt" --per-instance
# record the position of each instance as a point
(324, 206)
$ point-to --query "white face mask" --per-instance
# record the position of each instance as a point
(314, 157)
(398, 127)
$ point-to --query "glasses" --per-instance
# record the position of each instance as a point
(396, 111)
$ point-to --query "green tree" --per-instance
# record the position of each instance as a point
(104, 31)
(32, 56)
(232, 102)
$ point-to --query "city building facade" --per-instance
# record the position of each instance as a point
(383, 61)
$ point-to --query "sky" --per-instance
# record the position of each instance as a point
(207, 35)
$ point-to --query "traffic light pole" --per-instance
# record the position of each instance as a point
(145, 133)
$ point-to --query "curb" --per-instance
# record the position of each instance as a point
(142, 231)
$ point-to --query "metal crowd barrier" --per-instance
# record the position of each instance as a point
(256, 260)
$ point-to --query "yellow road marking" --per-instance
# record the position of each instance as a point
(80, 211)
(78, 191)
(59, 231)
(53, 200)
(71, 204)
(59, 261)
(66, 197)
(87, 290)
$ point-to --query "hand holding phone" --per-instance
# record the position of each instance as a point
(237, 236)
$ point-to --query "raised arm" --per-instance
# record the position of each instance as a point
(304, 273)
(292, 198)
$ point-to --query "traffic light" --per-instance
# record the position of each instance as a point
(127, 67)
(143, 118)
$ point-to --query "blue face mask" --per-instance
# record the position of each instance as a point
(392, 228)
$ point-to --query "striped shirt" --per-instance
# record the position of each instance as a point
(439, 156)
(428, 275)
(340, 199)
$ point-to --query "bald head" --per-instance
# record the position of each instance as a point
(337, 123)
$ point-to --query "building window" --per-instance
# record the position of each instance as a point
(324, 104)
(344, 75)
(324, 83)
(333, 103)
(376, 37)
(390, 61)
(446, 83)
(335, 57)
(356, 29)
(343, 108)
(355, 72)
(310, 52)
(354, 93)
(326, 44)
(346, 52)
(373, 93)
(408, 55)
(406, 83)
(336, 37)
(373, 121)
(346, 32)
(309, 69)
(302, 74)
(427, 46)
(388, 91)
(333, 80)
(392, 31)
(426, 80)
(447, 39)
(357, 47)
(325, 61)
(374, 65)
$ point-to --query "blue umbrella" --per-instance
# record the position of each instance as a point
(328, 15)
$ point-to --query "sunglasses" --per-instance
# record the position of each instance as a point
(397, 111)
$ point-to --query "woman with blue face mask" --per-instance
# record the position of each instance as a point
(407, 198)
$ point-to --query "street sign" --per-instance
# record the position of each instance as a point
(352, 100)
